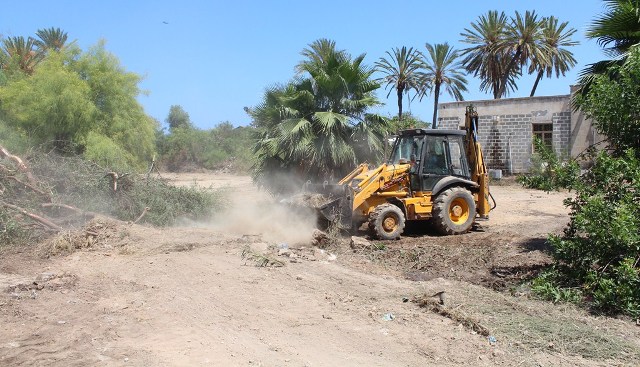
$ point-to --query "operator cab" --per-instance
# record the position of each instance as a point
(434, 154)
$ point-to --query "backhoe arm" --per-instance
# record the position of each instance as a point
(476, 162)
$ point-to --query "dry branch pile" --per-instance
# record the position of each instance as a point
(47, 193)
(28, 205)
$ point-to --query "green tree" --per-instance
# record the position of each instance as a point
(523, 42)
(21, 52)
(119, 117)
(613, 102)
(558, 58)
(178, 118)
(502, 48)
(444, 70)
(484, 58)
(408, 122)
(402, 69)
(85, 102)
(617, 30)
(317, 126)
(50, 39)
(52, 106)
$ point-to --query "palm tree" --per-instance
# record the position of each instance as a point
(484, 59)
(558, 58)
(51, 39)
(317, 126)
(617, 30)
(403, 72)
(321, 54)
(523, 41)
(21, 51)
(443, 69)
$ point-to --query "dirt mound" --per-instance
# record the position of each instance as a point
(494, 260)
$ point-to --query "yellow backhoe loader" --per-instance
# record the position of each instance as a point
(431, 175)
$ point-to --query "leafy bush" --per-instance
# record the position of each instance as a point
(600, 249)
(548, 172)
(546, 285)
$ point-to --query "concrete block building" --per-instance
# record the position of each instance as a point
(507, 128)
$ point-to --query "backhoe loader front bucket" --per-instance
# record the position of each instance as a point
(337, 207)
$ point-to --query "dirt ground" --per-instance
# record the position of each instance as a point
(251, 289)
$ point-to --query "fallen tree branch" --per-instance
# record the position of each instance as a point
(21, 166)
(146, 209)
(33, 188)
(44, 221)
(69, 207)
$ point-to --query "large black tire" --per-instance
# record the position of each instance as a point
(454, 211)
(386, 222)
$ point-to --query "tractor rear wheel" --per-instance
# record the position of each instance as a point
(454, 211)
(386, 222)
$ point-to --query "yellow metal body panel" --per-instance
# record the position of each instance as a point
(419, 206)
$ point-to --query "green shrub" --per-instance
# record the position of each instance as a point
(600, 249)
(548, 172)
(546, 285)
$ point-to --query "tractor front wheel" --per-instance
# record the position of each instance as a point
(386, 222)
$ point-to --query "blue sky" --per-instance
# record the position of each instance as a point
(215, 57)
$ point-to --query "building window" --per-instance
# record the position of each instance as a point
(544, 132)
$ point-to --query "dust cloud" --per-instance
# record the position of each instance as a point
(268, 219)
(252, 211)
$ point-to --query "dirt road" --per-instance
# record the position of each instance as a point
(131, 295)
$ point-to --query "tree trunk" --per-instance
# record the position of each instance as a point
(436, 96)
(507, 71)
(535, 85)
(496, 89)
(400, 90)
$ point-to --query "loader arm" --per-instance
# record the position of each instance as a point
(387, 180)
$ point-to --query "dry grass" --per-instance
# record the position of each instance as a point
(526, 326)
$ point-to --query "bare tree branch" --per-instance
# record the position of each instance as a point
(46, 222)
(21, 166)
(33, 188)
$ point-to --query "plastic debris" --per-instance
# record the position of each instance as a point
(492, 340)
(388, 317)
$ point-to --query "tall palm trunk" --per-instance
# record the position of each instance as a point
(436, 96)
(535, 85)
(507, 71)
(496, 89)
(400, 90)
